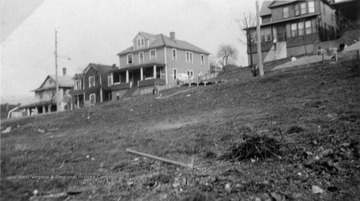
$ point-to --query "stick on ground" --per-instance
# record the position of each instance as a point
(191, 165)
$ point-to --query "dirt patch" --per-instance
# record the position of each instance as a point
(88, 146)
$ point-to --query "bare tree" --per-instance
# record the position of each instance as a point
(227, 54)
(247, 24)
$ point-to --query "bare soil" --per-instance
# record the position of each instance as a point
(311, 117)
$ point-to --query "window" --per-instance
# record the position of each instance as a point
(294, 29)
(78, 84)
(152, 54)
(308, 27)
(116, 79)
(129, 59)
(142, 42)
(173, 52)
(202, 59)
(285, 12)
(110, 80)
(92, 98)
(138, 41)
(303, 8)
(265, 35)
(301, 28)
(297, 9)
(141, 57)
(91, 81)
(190, 73)
(311, 6)
(174, 74)
(189, 57)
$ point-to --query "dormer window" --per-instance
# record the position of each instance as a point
(140, 43)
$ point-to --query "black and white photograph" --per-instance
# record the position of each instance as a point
(181, 100)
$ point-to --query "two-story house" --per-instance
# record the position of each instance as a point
(297, 25)
(47, 98)
(92, 85)
(156, 60)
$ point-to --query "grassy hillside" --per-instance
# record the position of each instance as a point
(296, 131)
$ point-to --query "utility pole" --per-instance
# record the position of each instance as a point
(56, 76)
(261, 69)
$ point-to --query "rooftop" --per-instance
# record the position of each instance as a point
(161, 40)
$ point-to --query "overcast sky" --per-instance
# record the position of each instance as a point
(96, 30)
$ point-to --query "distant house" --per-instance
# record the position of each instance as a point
(156, 60)
(47, 98)
(91, 86)
(296, 25)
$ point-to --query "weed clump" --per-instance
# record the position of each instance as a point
(295, 129)
(256, 147)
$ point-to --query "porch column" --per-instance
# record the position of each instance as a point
(154, 71)
(141, 74)
(78, 101)
(127, 76)
(37, 110)
(43, 107)
(101, 95)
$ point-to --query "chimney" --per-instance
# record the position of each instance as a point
(114, 65)
(172, 35)
(64, 71)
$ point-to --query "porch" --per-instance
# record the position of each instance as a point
(138, 76)
(39, 108)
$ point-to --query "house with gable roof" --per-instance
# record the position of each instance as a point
(47, 98)
(297, 26)
(156, 60)
(92, 85)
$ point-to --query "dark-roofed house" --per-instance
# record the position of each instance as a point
(92, 85)
(156, 60)
(297, 25)
(46, 95)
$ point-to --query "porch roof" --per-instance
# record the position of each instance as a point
(138, 66)
(37, 104)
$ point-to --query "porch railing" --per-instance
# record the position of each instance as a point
(151, 82)
(120, 86)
